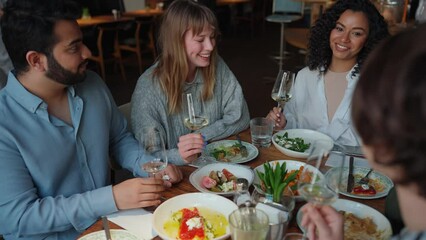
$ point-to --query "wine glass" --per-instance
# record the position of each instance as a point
(282, 86)
(195, 118)
(194, 115)
(153, 144)
(313, 186)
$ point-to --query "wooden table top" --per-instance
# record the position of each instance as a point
(265, 154)
(230, 2)
(147, 12)
(95, 20)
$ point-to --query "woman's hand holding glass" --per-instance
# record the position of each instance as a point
(194, 118)
(281, 94)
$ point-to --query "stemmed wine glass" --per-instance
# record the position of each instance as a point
(195, 118)
(153, 144)
(282, 86)
(314, 185)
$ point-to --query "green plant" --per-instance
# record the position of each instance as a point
(275, 179)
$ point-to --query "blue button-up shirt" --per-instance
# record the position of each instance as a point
(54, 178)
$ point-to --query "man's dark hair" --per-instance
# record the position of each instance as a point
(28, 25)
(389, 105)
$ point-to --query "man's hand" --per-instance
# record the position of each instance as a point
(278, 117)
(190, 146)
(322, 222)
(138, 193)
(172, 174)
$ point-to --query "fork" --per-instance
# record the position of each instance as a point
(365, 179)
(243, 148)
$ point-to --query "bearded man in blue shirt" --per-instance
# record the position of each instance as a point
(59, 123)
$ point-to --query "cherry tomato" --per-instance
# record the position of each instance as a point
(228, 174)
(360, 190)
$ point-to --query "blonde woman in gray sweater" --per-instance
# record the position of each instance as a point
(188, 63)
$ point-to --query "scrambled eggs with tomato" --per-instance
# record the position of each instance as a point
(196, 224)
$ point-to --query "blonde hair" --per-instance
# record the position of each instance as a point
(172, 69)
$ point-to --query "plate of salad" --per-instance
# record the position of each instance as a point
(297, 142)
(220, 178)
(232, 151)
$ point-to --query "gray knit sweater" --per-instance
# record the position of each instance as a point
(227, 110)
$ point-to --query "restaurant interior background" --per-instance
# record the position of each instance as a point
(250, 55)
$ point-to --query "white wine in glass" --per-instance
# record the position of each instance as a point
(313, 186)
(196, 123)
(195, 118)
(281, 91)
(153, 144)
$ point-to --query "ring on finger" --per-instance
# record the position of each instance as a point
(166, 177)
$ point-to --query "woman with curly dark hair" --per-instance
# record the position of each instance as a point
(389, 112)
(338, 45)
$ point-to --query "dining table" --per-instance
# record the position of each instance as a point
(265, 155)
(230, 2)
(146, 12)
(101, 19)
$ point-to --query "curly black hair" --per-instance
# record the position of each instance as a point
(389, 106)
(319, 51)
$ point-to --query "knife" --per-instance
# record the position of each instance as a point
(351, 180)
(105, 225)
(355, 151)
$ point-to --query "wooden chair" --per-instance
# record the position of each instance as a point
(107, 48)
(138, 44)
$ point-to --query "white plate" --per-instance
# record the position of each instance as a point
(251, 149)
(115, 234)
(360, 172)
(212, 201)
(361, 211)
(309, 136)
(290, 165)
(240, 171)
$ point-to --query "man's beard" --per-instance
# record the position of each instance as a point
(61, 75)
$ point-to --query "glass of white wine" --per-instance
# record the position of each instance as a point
(153, 144)
(195, 118)
(313, 185)
(282, 86)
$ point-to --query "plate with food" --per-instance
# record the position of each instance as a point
(378, 185)
(220, 178)
(232, 151)
(115, 234)
(193, 216)
(297, 142)
(361, 221)
(293, 170)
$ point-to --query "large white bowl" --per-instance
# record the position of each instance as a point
(240, 171)
(189, 200)
(361, 211)
(290, 165)
(310, 136)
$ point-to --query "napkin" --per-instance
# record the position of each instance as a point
(333, 160)
(136, 221)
